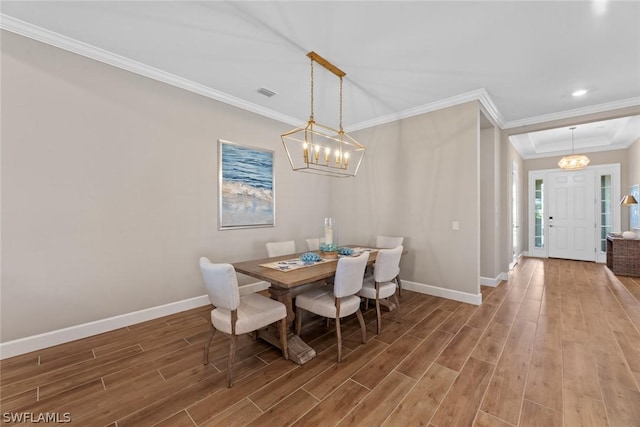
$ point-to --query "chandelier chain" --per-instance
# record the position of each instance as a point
(340, 104)
(311, 117)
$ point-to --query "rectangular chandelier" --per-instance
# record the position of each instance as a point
(320, 149)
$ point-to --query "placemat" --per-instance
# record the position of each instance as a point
(293, 264)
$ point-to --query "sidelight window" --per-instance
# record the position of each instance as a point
(605, 210)
(539, 214)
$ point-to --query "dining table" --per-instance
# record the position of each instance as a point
(289, 278)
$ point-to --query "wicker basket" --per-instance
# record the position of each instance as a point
(623, 256)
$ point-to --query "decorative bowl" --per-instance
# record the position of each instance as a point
(345, 251)
(310, 257)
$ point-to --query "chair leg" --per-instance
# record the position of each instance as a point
(298, 320)
(399, 284)
(366, 303)
(206, 347)
(378, 316)
(339, 338)
(397, 301)
(232, 356)
(363, 327)
(283, 338)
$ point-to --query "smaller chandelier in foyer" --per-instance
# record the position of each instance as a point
(320, 149)
(574, 161)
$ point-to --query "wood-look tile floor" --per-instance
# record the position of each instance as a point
(558, 344)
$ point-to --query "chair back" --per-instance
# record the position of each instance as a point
(349, 275)
(281, 248)
(313, 244)
(221, 283)
(388, 242)
(387, 264)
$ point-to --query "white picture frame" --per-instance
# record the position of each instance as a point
(246, 187)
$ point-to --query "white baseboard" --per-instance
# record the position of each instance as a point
(487, 281)
(72, 333)
(475, 299)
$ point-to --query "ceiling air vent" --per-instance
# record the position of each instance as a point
(266, 92)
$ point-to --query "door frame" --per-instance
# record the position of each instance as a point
(600, 170)
(515, 215)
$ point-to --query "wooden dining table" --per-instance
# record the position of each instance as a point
(285, 285)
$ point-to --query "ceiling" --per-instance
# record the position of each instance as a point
(521, 59)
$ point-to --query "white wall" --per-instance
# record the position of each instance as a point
(633, 157)
(419, 175)
(489, 228)
(109, 190)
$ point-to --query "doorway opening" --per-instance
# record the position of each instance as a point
(570, 213)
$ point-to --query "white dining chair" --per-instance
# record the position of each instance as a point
(338, 301)
(313, 244)
(286, 247)
(388, 242)
(382, 285)
(234, 314)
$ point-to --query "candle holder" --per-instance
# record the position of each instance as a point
(329, 251)
(330, 231)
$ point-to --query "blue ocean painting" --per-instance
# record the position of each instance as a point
(247, 186)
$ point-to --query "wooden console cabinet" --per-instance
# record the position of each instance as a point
(623, 256)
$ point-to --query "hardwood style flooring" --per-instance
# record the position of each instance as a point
(556, 345)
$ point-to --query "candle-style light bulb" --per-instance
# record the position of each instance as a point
(317, 153)
(305, 147)
(337, 157)
(326, 155)
(346, 160)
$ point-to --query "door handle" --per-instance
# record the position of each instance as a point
(550, 222)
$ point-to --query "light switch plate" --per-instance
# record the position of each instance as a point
(455, 225)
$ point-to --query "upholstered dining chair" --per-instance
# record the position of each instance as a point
(389, 242)
(234, 314)
(382, 285)
(286, 247)
(313, 244)
(339, 301)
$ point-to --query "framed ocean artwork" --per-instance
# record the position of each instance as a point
(245, 186)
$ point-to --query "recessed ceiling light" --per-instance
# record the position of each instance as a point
(580, 92)
(599, 6)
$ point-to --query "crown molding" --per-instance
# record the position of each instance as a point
(491, 108)
(63, 42)
(480, 95)
(577, 112)
(34, 32)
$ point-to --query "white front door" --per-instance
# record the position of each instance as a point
(571, 216)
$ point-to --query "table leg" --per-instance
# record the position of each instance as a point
(284, 297)
(299, 351)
